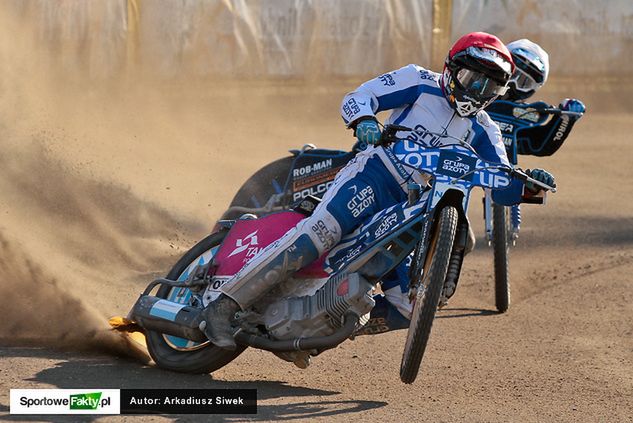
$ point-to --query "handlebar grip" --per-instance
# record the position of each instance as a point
(397, 128)
(558, 112)
(389, 133)
(526, 178)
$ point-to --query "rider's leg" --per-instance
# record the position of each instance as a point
(395, 284)
(384, 317)
(393, 309)
(361, 189)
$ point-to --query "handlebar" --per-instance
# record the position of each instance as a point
(519, 174)
(549, 110)
(559, 112)
(388, 136)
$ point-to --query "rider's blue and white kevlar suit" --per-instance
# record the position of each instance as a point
(376, 178)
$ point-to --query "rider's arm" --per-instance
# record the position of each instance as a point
(487, 139)
(546, 139)
(389, 91)
(487, 143)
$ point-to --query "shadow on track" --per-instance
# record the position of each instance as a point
(450, 313)
(281, 412)
(85, 371)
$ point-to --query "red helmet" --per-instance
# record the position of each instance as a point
(476, 72)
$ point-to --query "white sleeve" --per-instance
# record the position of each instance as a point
(388, 91)
(488, 141)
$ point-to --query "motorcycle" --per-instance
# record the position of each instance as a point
(324, 304)
(309, 171)
(502, 223)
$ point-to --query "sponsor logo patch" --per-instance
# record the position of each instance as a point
(313, 168)
(249, 242)
(386, 224)
(387, 80)
(325, 235)
(420, 133)
(316, 191)
(424, 74)
(456, 165)
(361, 200)
(562, 128)
(350, 108)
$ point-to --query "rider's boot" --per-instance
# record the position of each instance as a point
(263, 272)
(384, 317)
(218, 318)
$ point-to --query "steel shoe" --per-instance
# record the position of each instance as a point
(218, 317)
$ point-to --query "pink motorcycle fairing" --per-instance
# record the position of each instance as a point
(248, 237)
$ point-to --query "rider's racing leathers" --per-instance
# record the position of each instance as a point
(376, 178)
(539, 140)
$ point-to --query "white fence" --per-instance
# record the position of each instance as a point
(317, 38)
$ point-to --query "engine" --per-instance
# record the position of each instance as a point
(322, 313)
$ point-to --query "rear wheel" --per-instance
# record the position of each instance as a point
(501, 248)
(428, 296)
(178, 354)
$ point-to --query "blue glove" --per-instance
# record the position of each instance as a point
(572, 105)
(541, 176)
(368, 131)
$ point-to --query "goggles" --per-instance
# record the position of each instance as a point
(479, 85)
(523, 81)
(529, 72)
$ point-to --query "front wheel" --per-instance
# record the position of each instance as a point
(178, 354)
(428, 296)
(501, 248)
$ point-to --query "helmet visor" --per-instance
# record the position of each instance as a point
(479, 85)
(523, 81)
(530, 63)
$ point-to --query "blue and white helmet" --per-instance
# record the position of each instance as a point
(532, 69)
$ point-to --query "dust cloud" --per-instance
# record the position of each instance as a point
(106, 181)
(79, 232)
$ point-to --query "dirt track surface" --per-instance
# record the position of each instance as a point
(564, 351)
(103, 187)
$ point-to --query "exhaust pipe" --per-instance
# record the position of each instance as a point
(302, 344)
(156, 314)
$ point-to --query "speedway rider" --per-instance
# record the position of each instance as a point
(476, 72)
(392, 310)
(532, 69)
